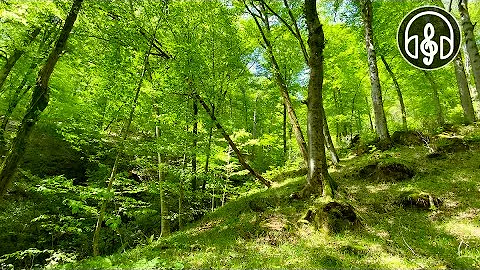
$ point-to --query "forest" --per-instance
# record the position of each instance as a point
(179, 134)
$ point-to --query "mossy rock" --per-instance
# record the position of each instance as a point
(451, 145)
(408, 138)
(261, 204)
(289, 174)
(419, 200)
(332, 217)
(386, 172)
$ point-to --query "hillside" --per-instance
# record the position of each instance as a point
(260, 229)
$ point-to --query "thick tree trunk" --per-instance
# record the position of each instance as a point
(283, 87)
(463, 90)
(318, 180)
(38, 103)
(240, 157)
(380, 119)
(436, 99)
(194, 155)
(470, 41)
(17, 53)
(399, 92)
(164, 227)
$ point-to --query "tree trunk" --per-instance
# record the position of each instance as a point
(295, 31)
(194, 155)
(380, 119)
(318, 180)
(284, 129)
(471, 84)
(463, 90)
(283, 87)
(328, 141)
(164, 227)
(436, 99)
(17, 53)
(399, 93)
(38, 103)
(240, 157)
(462, 81)
(209, 149)
(470, 41)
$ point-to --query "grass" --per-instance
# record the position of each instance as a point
(259, 229)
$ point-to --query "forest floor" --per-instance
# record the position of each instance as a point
(260, 229)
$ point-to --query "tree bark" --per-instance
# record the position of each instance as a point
(17, 53)
(380, 119)
(399, 92)
(283, 87)
(471, 83)
(194, 155)
(38, 103)
(470, 42)
(318, 180)
(328, 141)
(284, 135)
(209, 150)
(436, 99)
(240, 157)
(164, 227)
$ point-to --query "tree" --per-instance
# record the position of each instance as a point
(38, 103)
(318, 179)
(470, 41)
(399, 92)
(376, 91)
(16, 54)
(280, 80)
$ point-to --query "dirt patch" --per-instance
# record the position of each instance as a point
(419, 200)
(386, 172)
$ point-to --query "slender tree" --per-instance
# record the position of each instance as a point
(38, 103)
(240, 157)
(462, 81)
(399, 92)
(16, 54)
(376, 92)
(293, 28)
(318, 180)
(297, 130)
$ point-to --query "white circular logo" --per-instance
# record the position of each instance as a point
(429, 37)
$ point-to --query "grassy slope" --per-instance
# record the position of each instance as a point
(235, 236)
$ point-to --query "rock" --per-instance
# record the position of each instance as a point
(408, 138)
(386, 172)
(333, 217)
(419, 200)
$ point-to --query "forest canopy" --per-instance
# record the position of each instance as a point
(126, 123)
